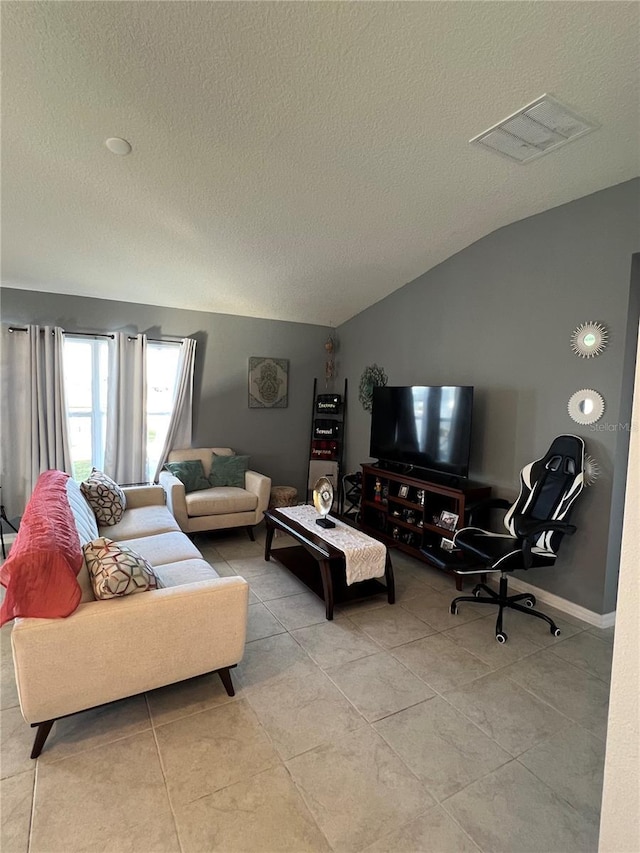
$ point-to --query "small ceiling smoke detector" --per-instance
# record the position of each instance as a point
(542, 126)
(118, 146)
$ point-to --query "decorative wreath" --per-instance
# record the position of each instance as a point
(372, 377)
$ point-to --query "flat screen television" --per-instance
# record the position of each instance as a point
(423, 426)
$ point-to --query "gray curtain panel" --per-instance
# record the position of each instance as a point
(34, 412)
(125, 458)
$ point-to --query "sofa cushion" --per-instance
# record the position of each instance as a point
(86, 587)
(115, 569)
(87, 528)
(141, 521)
(220, 501)
(190, 473)
(228, 470)
(105, 497)
(83, 515)
(164, 548)
(185, 571)
(40, 571)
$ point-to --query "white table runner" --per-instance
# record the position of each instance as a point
(364, 557)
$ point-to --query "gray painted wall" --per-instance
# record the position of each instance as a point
(499, 315)
(276, 439)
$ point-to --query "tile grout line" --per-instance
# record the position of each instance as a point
(504, 749)
(164, 775)
(532, 692)
(32, 813)
(550, 787)
(300, 793)
(282, 763)
(443, 803)
(582, 668)
(51, 761)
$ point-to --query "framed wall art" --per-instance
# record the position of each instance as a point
(268, 383)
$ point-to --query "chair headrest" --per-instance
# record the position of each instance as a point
(554, 463)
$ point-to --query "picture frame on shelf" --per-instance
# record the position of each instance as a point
(403, 492)
(448, 520)
(447, 544)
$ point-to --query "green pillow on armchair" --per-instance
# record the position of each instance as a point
(191, 473)
(228, 470)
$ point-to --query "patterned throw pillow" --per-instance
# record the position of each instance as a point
(116, 570)
(105, 497)
(228, 470)
(191, 473)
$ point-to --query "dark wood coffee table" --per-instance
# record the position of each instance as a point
(320, 565)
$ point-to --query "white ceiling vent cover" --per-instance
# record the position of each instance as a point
(542, 126)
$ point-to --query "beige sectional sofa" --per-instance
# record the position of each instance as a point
(107, 650)
(219, 507)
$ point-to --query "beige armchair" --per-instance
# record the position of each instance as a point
(219, 507)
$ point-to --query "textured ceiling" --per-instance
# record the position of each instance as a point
(297, 161)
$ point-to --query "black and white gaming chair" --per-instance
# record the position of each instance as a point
(536, 522)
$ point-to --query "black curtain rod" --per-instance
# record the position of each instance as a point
(77, 334)
(159, 340)
(105, 335)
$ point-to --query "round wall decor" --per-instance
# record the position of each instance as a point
(372, 376)
(323, 501)
(589, 339)
(586, 406)
(591, 470)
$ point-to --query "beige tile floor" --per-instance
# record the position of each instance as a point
(389, 729)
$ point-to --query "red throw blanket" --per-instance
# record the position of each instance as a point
(40, 573)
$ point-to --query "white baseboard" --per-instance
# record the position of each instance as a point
(599, 620)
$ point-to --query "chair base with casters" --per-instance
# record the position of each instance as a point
(524, 602)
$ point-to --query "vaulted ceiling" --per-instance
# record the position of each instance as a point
(291, 160)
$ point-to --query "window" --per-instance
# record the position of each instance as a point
(86, 376)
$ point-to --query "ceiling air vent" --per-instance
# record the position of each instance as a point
(542, 126)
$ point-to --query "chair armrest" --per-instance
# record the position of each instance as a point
(67, 665)
(176, 498)
(259, 485)
(531, 529)
(485, 505)
(138, 496)
(528, 528)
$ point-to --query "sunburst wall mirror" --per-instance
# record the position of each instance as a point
(589, 339)
(591, 470)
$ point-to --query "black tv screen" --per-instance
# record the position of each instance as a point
(423, 426)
